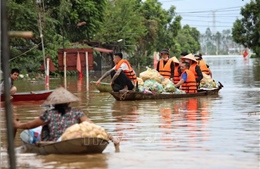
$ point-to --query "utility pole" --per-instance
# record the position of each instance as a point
(214, 21)
(40, 9)
(214, 28)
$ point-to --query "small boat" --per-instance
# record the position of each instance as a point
(133, 95)
(30, 96)
(103, 86)
(73, 146)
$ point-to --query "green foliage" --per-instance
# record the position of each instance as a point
(188, 39)
(162, 27)
(143, 26)
(59, 20)
(246, 30)
(122, 21)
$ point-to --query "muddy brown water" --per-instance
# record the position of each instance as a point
(205, 132)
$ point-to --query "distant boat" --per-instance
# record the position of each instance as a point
(29, 96)
(103, 86)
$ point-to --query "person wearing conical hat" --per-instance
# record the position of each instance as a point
(165, 66)
(183, 54)
(203, 65)
(177, 70)
(188, 81)
(58, 119)
(193, 67)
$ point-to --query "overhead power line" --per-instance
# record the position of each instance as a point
(194, 20)
(207, 11)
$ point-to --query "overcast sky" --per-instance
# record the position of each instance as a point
(199, 13)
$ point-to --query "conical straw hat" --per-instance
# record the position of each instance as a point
(175, 60)
(60, 96)
(190, 56)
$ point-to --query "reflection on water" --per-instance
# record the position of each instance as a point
(213, 132)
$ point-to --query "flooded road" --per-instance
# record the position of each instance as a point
(205, 132)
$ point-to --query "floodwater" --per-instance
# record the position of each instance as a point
(206, 132)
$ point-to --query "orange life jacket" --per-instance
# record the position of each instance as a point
(190, 86)
(129, 73)
(203, 66)
(192, 68)
(165, 70)
(176, 77)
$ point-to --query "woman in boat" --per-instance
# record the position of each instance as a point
(177, 70)
(203, 65)
(122, 74)
(165, 66)
(194, 67)
(188, 80)
(58, 119)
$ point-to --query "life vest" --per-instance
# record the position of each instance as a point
(193, 69)
(203, 66)
(176, 77)
(165, 70)
(190, 86)
(129, 73)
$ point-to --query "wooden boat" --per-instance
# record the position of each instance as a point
(72, 146)
(30, 96)
(132, 95)
(103, 87)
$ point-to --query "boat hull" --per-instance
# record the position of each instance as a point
(132, 95)
(72, 146)
(29, 96)
(103, 86)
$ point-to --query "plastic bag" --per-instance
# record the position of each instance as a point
(170, 87)
(153, 86)
(140, 81)
(178, 91)
(35, 135)
(151, 74)
(166, 81)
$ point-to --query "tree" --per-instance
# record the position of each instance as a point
(122, 21)
(59, 20)
(162, 28)
(246, 31)
(188, 38)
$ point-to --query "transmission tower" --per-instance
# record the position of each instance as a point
(214, 21)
